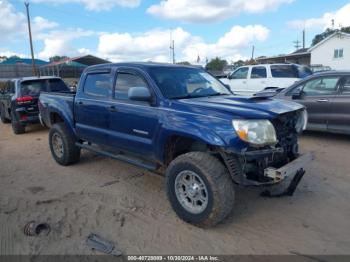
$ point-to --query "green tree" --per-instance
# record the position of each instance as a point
(57, 58)
(184, 63)
(318, 38)
(216, 64)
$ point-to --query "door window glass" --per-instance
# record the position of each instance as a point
(124, 82)
(321, 86)
(258, 72)
(99, 85)
(240, 73)
(346, 86)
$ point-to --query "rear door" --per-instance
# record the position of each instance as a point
(258, 79)
(340, 110)
(317, 96)
(92, 107)
(133, 123)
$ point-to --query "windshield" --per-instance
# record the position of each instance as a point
(182, 82)
(33, 87)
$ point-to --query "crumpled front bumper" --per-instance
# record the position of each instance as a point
(279, 174)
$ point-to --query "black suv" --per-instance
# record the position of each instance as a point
(19, 99)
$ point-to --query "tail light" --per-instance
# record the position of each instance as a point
(24, 100)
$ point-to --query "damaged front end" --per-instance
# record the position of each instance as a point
(271, 164)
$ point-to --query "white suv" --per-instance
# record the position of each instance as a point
(248, 80)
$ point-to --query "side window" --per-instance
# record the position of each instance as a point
(124, 82)
(3, 86)
(258, 72)
(284, 71)
(321, 86)
(346, 86)
(240, 73)
(11, 87)
(98, 84)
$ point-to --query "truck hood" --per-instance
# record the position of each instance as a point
(240, 106)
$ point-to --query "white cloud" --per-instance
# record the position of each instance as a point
(211, 10)
(154, 45)
(9, 53)
(14, 24)
(60, 42)
(341, 17)
(95, 5)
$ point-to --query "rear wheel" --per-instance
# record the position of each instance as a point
(17, 127)
(199, 189)
(62, 145)
(2, 115)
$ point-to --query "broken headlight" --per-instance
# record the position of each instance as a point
(301, 123)
(255, 132)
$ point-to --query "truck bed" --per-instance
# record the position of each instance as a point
(50, 100)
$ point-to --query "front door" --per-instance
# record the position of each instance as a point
(238, 81)
(340, 110)
(133, 123)
(317, 95)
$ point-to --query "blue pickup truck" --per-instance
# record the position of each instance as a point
(182, 122)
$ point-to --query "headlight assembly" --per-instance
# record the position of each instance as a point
(301, 123)
(255, 132)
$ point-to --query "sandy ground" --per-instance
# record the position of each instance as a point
(129, 206)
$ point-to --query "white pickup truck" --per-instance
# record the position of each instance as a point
(248, 80)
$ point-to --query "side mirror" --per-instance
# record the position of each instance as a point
(297, 94)
(229, 76)
(139, 93)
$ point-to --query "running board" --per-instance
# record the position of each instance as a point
(121, 157)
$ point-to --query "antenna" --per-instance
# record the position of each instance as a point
(296, 44)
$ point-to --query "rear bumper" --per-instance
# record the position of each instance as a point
(25, 116)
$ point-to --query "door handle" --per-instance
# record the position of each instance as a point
(113, 109)
(322, 100)
(80, 103)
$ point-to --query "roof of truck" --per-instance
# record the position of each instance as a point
(36, 78)
(140, 65)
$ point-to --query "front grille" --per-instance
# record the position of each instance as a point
(285, 130)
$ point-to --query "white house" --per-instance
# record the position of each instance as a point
(333, 51)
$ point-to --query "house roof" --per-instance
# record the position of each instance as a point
(28, 61)
(327, 38)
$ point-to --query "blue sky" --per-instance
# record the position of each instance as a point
(140, 29)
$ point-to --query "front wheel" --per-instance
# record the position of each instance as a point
(199, 189)
(62, 145)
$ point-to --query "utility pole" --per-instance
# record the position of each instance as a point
(172, 46)
(253, 50)
(30, 38)
(304, 38)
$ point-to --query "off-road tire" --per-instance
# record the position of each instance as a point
(3, 119)
(217, 180)
(17, 127)
(71, 153)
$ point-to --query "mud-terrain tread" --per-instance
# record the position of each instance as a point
(220, 182)
(71, 151)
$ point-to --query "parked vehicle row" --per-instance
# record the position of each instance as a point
(248, 80)
(19, 99)
(182, 122)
